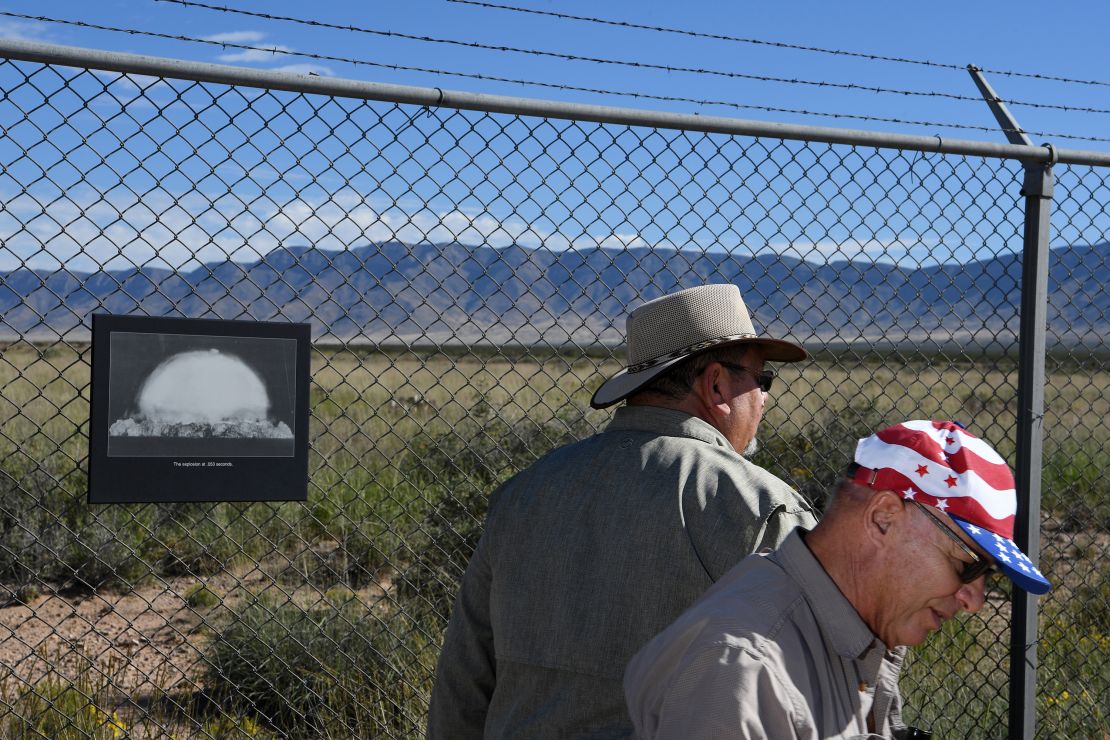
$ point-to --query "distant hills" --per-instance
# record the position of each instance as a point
(452, 293)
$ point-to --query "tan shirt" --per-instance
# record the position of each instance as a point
(773, 650)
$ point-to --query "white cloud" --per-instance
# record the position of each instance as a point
(236, 37)
(130, 85)
(23, 31)
(86, 231)
(895, 250)
(261, 53)
(266, 54)
(619, 240)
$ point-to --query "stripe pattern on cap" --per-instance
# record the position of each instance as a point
(941, 464)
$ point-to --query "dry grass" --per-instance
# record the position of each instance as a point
(396, 434)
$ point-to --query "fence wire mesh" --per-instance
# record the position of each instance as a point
(466, 276)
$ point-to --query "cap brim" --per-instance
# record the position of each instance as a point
(1008, 557)
(624, 384)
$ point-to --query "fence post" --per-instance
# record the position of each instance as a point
(1037, 190)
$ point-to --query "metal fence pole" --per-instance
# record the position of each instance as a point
(1037, 190)
(434, 97)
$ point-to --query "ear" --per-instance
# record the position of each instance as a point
(712, 387)
(883, 516)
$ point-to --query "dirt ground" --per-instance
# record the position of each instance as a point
(135, 640)
(139, 647)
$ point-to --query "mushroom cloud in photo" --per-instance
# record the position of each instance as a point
(202, 393)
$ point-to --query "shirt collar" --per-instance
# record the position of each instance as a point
(667, 422)
(844, 628)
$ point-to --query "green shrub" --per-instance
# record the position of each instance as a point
(199, 596)
(324, 672)
(50, 534)
(30, 518)
(27, 593)
(955, 683)
(233, 727)
(814, 460)
(106, 551)
(1073, 679)
(55, 708)
(1075, 485)
(191, 539)
(339, 596)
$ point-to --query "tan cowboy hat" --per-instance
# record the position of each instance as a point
(667, 330)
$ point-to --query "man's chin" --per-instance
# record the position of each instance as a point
(751, 449)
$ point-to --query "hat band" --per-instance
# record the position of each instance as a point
(705, 344)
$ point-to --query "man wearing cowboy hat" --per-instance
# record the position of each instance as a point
(800, 642)
(599, 545)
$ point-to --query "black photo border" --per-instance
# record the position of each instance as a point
(184, 479)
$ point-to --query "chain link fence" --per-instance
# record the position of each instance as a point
(466, 275)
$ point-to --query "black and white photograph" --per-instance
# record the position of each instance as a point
(187, 394)
(198, 409)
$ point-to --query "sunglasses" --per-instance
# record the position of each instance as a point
(979, 566)
(763, 379)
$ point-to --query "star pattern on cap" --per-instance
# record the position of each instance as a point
(908, 494)
(942, 504)
(951, 481)
(973, 529)
(922, 470)
(1007, 551)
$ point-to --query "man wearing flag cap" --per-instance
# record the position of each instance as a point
(595, 548)
(805, 641)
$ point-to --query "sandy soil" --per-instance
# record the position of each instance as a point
(147, 635)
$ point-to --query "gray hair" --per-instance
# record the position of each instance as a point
(848, 494)
(677, 382)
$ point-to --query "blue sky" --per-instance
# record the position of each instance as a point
(1016, 36)
(1020, 36)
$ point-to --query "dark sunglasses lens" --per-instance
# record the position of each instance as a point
(976, 569)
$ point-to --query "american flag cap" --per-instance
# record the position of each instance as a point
(941, 464)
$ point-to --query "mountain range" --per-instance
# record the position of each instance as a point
(453, 293)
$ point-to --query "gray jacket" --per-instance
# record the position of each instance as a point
(587, 555)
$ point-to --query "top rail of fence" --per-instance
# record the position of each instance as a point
(72, 56)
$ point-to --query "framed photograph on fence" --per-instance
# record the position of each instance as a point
(198, 410)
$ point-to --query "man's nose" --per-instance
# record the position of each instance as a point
(971, 596)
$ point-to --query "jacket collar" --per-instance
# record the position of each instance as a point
(844, 628)
(667, 422)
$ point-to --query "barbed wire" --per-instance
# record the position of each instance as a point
(533, 83)
(778, 44)
(630, 63)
